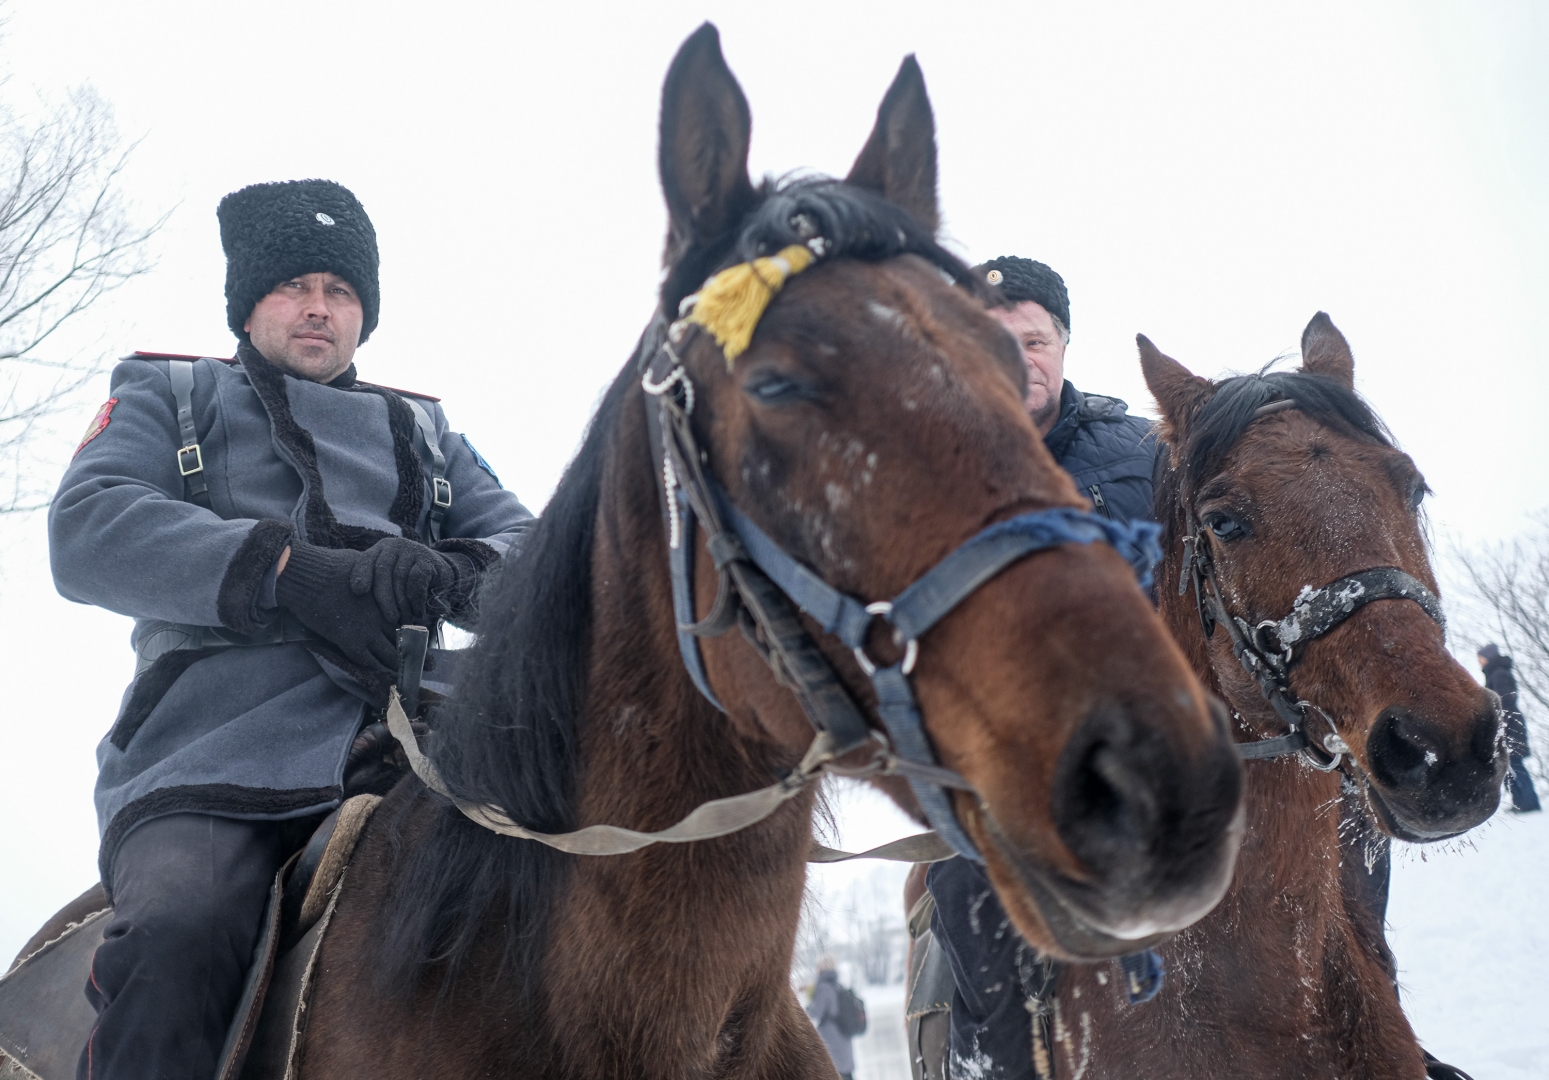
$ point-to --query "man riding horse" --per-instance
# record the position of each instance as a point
(269, 521)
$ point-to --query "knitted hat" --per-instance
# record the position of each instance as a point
(274, 232)
(1021, 280)
(1490, 652)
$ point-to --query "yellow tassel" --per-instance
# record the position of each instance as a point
(731, 303)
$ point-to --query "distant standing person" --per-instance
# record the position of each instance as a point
(824, 1010)
(1498, 677)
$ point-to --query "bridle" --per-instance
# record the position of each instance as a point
(1269, 649)
(761, 586)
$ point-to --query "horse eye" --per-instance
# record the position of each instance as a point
(1225, 527)
(1418, 493)
(772, 388)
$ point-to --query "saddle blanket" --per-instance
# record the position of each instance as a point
(45, 1018)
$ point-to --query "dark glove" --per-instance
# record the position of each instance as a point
(316, 587)
(410, 582)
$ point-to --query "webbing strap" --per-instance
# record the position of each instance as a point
(921, 847)
(838, 614)
(901, 716)
(440, 487)
(718, 817)
(190, 459)
(681, 559)
(954, 578)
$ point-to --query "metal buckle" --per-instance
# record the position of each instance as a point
(911, 647)
(1266, 639)
(182, 459)
(1331, 744)
(443, 491)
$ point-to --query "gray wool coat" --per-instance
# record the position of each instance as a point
(255, 731)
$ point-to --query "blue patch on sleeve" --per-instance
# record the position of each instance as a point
(482, 463)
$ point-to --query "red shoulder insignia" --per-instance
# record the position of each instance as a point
(140, 354)
(98, 425)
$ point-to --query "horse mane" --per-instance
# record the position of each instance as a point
(1182, 470)
(509, 736)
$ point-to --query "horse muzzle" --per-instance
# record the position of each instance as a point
(1429, 781)
(1155, 832)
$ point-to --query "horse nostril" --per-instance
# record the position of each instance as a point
(1402, 750)
(1107, 791)
(1484, 742)
(1104, 801)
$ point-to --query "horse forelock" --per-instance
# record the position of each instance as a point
(855, 223)
(1221, 423)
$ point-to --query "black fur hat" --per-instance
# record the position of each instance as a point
(1023, 279)
(274, 232)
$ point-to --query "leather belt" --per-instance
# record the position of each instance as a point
(157, 639)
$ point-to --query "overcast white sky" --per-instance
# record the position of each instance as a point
(1208, 174)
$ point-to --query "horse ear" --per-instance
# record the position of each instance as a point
(1326, 352)
(899, 159)
(1179, 392)
(705, 130)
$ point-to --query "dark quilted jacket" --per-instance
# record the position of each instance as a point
(1109, 453)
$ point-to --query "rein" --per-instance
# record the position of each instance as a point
(1267, 651)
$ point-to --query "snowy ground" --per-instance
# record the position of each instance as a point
(1468, 921)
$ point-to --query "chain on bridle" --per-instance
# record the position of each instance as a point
(1269, 649)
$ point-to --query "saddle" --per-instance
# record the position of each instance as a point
(45, 1018)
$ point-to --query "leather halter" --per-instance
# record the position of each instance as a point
(1267, 651)
(761, 585)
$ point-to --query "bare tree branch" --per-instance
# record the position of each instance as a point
(1505, 594)
(67, 238)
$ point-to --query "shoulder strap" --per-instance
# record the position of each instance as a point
(190, 459)
(440, 486)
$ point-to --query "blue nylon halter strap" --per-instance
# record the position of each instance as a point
(681, 557)
(921, 606)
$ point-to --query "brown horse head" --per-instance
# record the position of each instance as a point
(1291, 499)
(871, 427)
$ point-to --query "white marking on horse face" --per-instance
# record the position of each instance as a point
(884, 314)
(838, 497)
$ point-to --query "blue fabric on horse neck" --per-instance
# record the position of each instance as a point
(989, 552)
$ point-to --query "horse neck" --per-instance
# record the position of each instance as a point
(723, 912)
(652, 746)
(1279, 965)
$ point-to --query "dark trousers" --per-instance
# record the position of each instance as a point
(1523, 797)
(188, 900)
